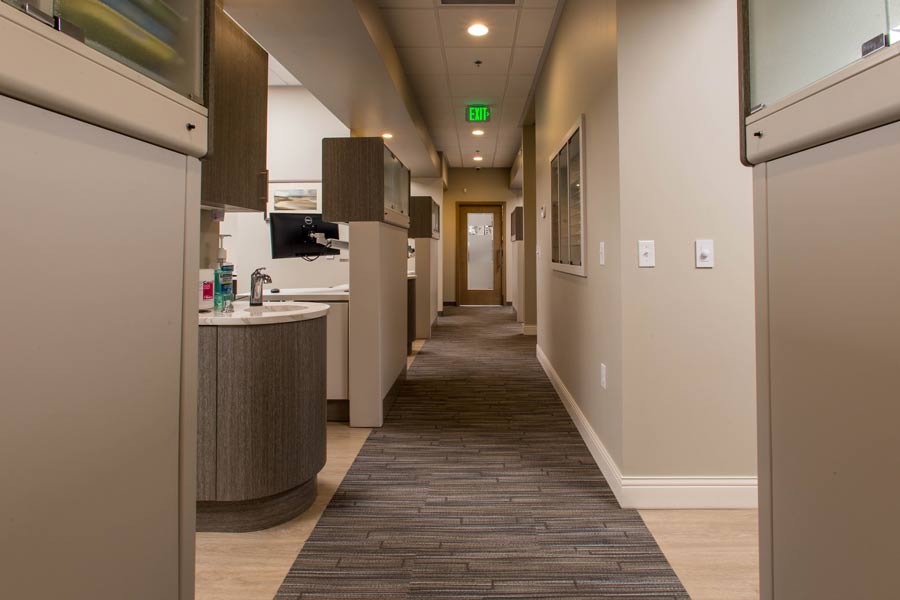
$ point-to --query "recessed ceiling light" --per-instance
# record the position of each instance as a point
(477, 158)
(387, 136)
(478, 132)
(478, 29)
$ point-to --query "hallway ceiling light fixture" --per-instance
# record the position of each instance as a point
(387, 136)
(478, 132)
(478, 29)
(477, 158)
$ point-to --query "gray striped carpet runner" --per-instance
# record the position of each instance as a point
(478, 486)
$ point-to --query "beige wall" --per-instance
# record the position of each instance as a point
(580, 319)
(378, 319)
(690, 338)
(468, 186)
(662, 163)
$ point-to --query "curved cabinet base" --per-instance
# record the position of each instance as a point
(254, 515)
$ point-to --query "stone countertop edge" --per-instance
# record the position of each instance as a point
(245, 315)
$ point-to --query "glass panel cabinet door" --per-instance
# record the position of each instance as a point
(161, 39)
(564, 206)
(554, 207)
(794, 43)
(574, 184)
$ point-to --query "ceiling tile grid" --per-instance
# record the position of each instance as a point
(439, 57)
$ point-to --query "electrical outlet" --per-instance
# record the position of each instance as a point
(602, 253)
(603, 376)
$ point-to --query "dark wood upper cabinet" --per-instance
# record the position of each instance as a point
(362, 180)
(234, 172)
(517, 224)
(424, 217)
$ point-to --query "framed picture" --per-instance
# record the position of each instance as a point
(295, 196)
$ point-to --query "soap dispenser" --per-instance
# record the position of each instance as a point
(224, 280)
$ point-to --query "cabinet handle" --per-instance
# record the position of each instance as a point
(264, 186)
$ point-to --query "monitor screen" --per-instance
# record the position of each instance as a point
(292, 235)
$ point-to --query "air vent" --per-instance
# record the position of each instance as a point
(480, 2)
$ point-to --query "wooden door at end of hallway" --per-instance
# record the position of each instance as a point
(479, 254)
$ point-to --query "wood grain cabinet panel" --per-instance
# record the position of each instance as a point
(261, 423)
(360, 177)
(234, 172)
(271, 408)
(206, 415)
(420, 217)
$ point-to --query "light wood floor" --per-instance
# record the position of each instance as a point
(714, 552)
(251, 566)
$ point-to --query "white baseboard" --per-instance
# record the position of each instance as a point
(643, 492)
(529, 329)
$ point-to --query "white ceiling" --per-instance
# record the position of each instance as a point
(279, 76)
(438, 56)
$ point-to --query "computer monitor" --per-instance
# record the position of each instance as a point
(292, 235)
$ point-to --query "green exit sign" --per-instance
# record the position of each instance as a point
(478, 113)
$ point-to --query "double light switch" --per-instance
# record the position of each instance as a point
(703, 249)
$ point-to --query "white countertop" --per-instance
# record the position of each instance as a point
(269, 313)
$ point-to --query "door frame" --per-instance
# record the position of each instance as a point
(462, 245)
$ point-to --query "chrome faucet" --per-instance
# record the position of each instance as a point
(257, 279)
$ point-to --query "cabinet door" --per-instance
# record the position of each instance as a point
(89, 412)
(234, 173)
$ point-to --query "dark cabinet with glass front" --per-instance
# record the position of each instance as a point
(362, 180)
(425, 218)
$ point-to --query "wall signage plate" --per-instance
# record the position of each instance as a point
(478, 113)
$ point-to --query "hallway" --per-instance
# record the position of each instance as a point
(478, 486)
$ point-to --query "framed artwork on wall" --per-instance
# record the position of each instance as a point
(295, 196)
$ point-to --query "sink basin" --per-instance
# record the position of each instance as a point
(274, 308)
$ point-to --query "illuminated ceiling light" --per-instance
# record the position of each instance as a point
(477, 158)
(387, 136)
(478, 132)
(478, 29)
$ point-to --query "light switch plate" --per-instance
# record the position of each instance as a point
(705, 254)
(646, 253)
(602, 253)
(603, 376)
